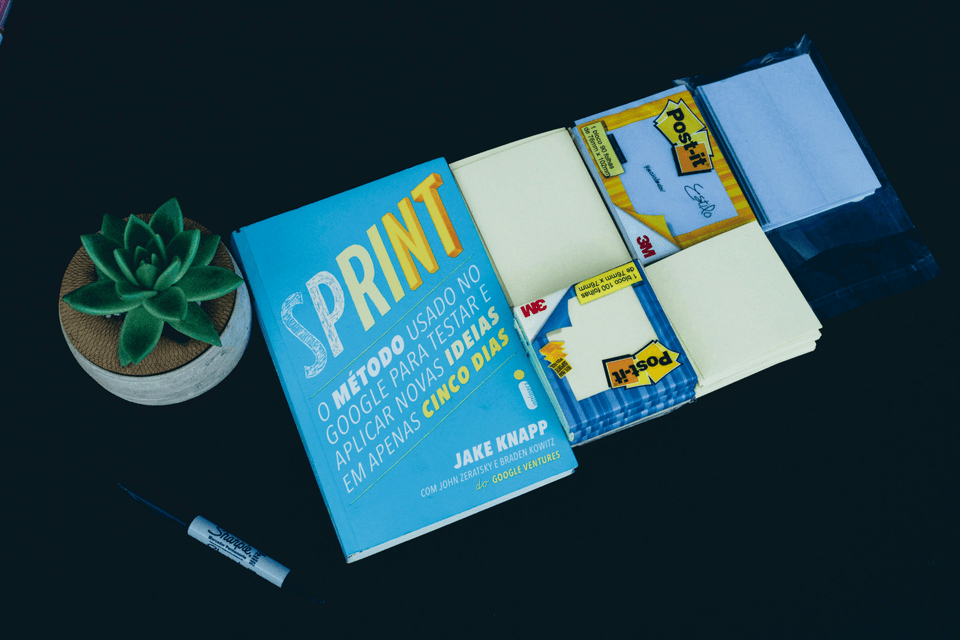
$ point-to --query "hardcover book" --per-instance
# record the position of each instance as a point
(396, 350)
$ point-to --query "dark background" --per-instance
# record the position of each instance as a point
(816, 498)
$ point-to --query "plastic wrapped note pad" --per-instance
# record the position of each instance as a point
(853, 253)
(795, 151)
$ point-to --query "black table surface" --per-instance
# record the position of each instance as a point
(815, 498)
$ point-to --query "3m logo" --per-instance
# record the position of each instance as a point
(646, 247)
(533, 308)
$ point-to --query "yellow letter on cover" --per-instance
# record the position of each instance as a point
(407, 244)
(378, 248)
(426, 192)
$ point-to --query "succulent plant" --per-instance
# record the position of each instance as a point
(152, 273)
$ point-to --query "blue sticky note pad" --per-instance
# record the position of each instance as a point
(787, 135)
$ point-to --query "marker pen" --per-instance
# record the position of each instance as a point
(236, 549)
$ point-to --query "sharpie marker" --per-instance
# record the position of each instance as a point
(236, 549)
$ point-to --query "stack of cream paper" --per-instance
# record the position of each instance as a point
(734, 306)
(795, 151)
(542, 221)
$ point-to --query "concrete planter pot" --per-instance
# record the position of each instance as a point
(172, 372)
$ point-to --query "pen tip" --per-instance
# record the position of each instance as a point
(153, 506)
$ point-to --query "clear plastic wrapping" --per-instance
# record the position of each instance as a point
(854, 253)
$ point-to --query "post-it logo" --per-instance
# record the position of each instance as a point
(622, 372)
(688, 135)
(647, 366)
(677, 122)
(691, 158)
(656, 361)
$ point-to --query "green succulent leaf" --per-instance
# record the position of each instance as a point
(100, 249)
(207, 283)
(129, 291)
(147, 275)
(197, 325)
(139, 335)
(171, 305)
(112, 228)
(184, 245)
(169, 276)
(122, 258)
(206, 250)
(157, 247)
(137, 233)
(167, 221)
(140, 255)
(156, 261)
(99, 299)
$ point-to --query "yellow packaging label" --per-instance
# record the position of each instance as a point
(608, 282)
(595, 135)
(678, 123)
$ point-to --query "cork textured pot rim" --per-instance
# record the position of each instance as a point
(96, 337)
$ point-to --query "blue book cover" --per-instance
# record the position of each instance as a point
(396, 350)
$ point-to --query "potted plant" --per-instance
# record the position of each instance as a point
(153, 307)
